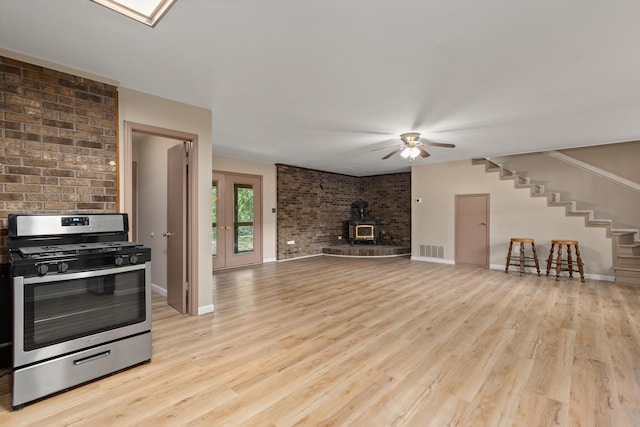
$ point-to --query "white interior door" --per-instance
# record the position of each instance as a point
(472, 229)
(177, 284)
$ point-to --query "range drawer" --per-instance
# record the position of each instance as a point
(39, 380)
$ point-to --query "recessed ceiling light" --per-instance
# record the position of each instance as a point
(148, 12)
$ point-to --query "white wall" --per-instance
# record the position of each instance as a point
(513, 213)
(151, 110)
(269, 196)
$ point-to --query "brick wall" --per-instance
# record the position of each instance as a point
(389, 198)
(58, 136)
(314, 207)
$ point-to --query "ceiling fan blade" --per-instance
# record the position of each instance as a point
(423, 153)
(438, 144)
(385, 148)
(397, 150)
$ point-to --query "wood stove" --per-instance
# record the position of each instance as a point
(364, 231)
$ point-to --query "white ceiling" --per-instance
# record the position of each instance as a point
(320, 84)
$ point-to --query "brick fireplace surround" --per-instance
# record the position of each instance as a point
(314, 207)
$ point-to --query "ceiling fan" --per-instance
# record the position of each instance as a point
(411, 146)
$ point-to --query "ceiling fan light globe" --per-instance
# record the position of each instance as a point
(414, 152)
(406, 153)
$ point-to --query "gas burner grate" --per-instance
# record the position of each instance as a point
(72, 249)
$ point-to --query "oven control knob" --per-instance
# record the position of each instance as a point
(119, 260)
(42, 269)
(63, 267)
(133, 259)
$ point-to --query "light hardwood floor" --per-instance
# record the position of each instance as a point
(376, 342)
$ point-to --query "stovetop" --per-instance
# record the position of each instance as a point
(30, 261)
(45, 244)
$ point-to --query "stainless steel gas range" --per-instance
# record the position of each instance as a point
(81, 301)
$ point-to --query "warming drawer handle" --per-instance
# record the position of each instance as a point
(92, 358)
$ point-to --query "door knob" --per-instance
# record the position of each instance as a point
(167, 234)
(222, 227)
(483, 223)
(228, 228)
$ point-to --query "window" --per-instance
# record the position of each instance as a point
(148, 12)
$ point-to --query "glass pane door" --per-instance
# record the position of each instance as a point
(219, 226)
(243, 218)
(236, 220)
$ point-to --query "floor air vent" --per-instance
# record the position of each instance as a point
(432, 251)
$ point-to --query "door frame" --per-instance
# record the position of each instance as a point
(487, 245)
(192, 226)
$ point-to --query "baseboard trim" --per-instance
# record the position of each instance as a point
(299, 257)
(366, 256)
(205, 309)
(543, 272)
(429, 259)
(158, 289)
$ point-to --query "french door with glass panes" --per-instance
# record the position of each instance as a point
(236, 217)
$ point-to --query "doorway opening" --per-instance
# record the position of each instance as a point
(160, 140)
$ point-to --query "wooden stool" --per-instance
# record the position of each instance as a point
(559, 264)
(522, 261)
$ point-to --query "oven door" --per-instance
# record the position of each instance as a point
(62, 313)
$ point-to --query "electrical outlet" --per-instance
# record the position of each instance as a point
(291, 242)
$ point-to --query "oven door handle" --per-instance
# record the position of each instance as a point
(91, 358)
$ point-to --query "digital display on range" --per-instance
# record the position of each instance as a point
(68, 221)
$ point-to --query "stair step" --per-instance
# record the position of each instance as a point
(488, 164)
(581, 211)
(586, 214)
(507, 174)
(481, 161)
(533, 189)
(543, 194)
(628, 261)
(633, 249)
(599, 222)
(627, 276)
(569, 208)
(625, 236)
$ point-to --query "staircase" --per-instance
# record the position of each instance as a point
(625, 242)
